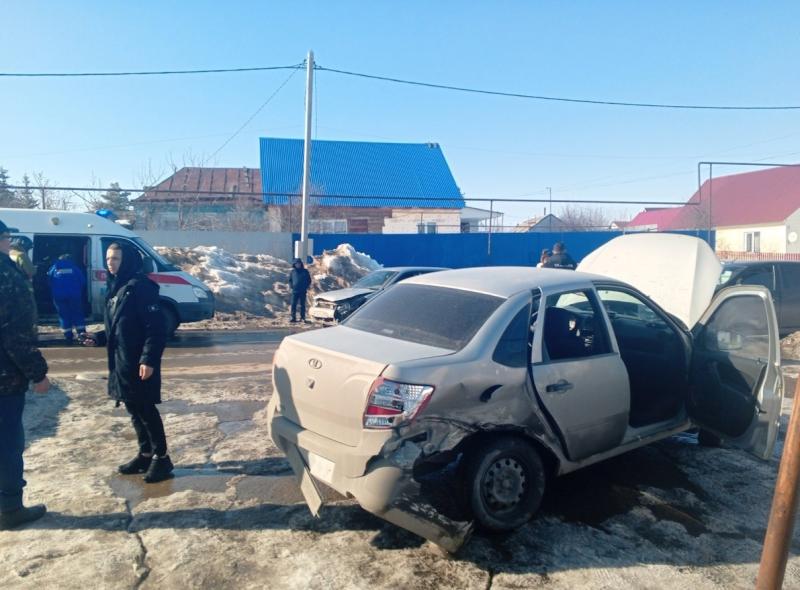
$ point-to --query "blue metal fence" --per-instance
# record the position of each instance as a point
(469, 249)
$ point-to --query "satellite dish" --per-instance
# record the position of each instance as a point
(792, 237)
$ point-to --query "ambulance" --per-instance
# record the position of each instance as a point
(85, 237)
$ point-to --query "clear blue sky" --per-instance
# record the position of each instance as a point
(84, 130)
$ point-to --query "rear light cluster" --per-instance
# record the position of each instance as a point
(390, 403)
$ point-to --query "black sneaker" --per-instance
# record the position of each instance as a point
(292, 321)
(138, 464)
(160, 469)
(20, 516)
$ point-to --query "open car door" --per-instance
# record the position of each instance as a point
(736, 387)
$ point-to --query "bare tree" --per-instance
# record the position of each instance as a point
(50, 198)
(584, 218)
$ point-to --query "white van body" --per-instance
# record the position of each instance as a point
(86, 236)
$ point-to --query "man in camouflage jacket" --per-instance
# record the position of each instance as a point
(20, 364)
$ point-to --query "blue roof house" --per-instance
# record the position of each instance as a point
(359, 187)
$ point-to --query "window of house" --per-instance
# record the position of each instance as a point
(359, 225)
(426, 227)
(752, 241)
(327, 226)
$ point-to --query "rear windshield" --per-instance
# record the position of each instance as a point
(436, 316)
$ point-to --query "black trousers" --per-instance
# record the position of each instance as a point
(149, 428)
(301, 299)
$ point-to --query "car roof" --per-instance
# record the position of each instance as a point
(407, 268)
(62, 222)
(505, 281)
(746, 263)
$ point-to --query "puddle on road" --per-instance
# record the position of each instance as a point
(268, 489)
(135, 490)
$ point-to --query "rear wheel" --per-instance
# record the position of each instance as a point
(505, 482)
(170, 320)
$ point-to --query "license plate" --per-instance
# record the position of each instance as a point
(321, 468)
(318, 312)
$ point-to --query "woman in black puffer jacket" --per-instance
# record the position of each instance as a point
(135, 335)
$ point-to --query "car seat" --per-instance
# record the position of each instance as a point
(561, 334)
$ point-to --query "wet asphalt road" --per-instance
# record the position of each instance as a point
(188, 353)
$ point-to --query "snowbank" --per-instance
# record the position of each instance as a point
(258, 284)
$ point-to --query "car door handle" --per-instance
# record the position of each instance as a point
(559, 386)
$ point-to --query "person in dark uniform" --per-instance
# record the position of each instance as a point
(135, 336)
(544, 257)
(20, 246)
(560, 258)
(20, 364)
(67, 282)
(299, 281)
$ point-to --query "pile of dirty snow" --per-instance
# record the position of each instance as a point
(254, 288)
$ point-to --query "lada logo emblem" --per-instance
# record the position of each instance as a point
(315, 363)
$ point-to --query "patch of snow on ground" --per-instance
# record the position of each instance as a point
(258, 284)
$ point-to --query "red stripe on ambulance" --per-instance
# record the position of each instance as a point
(168, 279)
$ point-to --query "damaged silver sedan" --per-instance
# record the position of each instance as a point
(452, 399)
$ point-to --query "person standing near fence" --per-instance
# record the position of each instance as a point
(20, 364)
(299, 281)
(560, 258)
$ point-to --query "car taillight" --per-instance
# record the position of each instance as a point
(390, 402)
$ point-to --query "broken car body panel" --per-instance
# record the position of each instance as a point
(520, 355)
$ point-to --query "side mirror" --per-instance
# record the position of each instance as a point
(148, 265)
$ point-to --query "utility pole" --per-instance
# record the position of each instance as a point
(302, 249)
(550, 208)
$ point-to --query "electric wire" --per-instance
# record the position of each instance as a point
(146, 73)
(253, 116)
(559, 98)
(520, 95)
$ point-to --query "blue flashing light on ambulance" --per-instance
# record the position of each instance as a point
(86, 237)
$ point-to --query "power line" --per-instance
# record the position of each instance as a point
(326, 196)
(408, 82)
(146, 73)
(558, 98)
(253, 116)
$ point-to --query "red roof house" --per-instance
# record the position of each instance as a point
(756, 212)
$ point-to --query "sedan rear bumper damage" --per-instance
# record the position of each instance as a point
(387, 488)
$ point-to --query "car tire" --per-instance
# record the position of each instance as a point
(505, 482)
(170, 320)
(708, 439)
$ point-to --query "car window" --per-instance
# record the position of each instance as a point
(790, 276)
(624, 305)
(573, 327)
(436, 316)
(760, 275)
(512, 348)
(375, 279)
(739, 326)
(725, 275)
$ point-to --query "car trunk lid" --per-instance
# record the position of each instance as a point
(323, 377)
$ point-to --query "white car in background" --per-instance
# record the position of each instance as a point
(340, 303)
